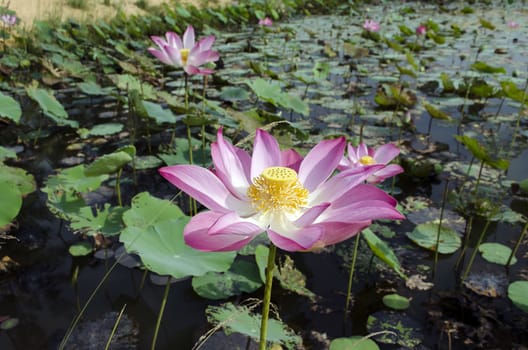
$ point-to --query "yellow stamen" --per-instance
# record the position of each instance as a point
(277, 188)
(184, 55)
(367, 160)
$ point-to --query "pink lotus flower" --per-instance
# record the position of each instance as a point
(187, 54)
(265, 22)
(293, 200)
(512, 24)
(8, 20)
(363, 156)
(421, 30)
(371, 26)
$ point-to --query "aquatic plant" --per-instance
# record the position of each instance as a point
(371, 26)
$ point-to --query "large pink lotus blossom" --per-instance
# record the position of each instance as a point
(267, 22)
(293, 199)
(8, 20)
(187, 54)
(363, 156)
(371, 25)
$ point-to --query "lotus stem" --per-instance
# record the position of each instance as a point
(466, 241)
(478, 178)
(160, 314)
(519, 116)
(267, 296)
(474, 254)
(519, 241)
(192, 202)
(444, 200)
(114, 329)
(351, 274)
(118, 187)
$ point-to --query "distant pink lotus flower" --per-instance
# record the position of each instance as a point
(265, 22)
(512, 24)
(293, 200)
(9, 20)
(421, 30)
(363, 156)
(371, 26)
(187, 54)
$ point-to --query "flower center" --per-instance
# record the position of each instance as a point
(277, 188)
(367, 160)
(184, 55)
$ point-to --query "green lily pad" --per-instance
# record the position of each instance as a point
(496, 253)
(353, 343)
(108, 164)
(10, 204)
(425, 235)
(239, 319)
(518, 294)
(80, 249)
(159, 114)
(396, 301)
(19, 178)
(10, 108)
(105, 129)
(398, 329)
(243, 276)
(50, 106)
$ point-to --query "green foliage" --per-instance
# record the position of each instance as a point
(481, 153)
(518, 294)
(50, 106)
(382, 251)
(10, 108)
(239, 319)
(425, 235)
(496, 253)
(353, 343)
(272, 92)
(396, 301)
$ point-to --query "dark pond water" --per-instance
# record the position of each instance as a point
(45, 296)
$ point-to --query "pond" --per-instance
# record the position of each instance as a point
(99, 115)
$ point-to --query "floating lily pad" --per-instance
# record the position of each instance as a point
(399, 329)
(396, 301)
(353, 343)
(81, 249)
(108, 164)
(240, 319)
(518, 294)
(50, 106)
(242, 277)
(425, 235)
(10, 204)
(10, 108)
(496, 253)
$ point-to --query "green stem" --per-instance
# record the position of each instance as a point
(466, 241)
(351, 274)
(192, 202)
(114, 329)
(267, 296)
(474, 254)
(478, 178)
(444, 200)
(118, 187)
(519, 115)
(160, 314)
(521, 237)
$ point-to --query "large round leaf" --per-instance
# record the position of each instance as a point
(10, 204)
(518, 294)
(425, 235)
(108, 164)
(10, 108)
(162, 249)
(496, 253)
(356, 342)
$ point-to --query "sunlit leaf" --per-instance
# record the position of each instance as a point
(50, 106)
(239, 319)
(353, 343)
(396, 301)
(425, 235)
(10, 108)
(382, 251)
(496, 253)
(518, 294)
(80, 249)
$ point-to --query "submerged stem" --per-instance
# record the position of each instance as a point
(518, 243)
(267, 296)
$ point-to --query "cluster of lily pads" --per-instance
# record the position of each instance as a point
(367, 76)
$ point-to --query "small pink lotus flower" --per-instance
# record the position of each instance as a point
(267, 22)
(187, 54)
(8, 20)
(363, 156)
(294, 200)
(512, 24)
(421, 30)
(371, 26)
